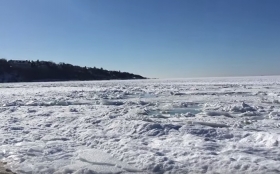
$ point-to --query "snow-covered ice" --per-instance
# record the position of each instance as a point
(211, 125)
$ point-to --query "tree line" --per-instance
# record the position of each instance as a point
(28, 71)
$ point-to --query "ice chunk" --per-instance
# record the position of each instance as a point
(97, 157)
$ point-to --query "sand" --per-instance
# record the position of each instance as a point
(4, 170)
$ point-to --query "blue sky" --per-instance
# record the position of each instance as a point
(154, 38)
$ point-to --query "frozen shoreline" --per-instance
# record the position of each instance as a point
(150, 126)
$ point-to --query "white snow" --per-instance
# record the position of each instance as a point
(203, 125)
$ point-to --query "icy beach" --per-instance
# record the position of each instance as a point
(211, 125)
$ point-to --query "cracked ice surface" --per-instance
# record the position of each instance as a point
(213, 125)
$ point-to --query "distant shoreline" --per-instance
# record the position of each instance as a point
(47, 71)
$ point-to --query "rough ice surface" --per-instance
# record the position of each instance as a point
(213, 125)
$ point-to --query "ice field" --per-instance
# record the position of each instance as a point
(203, 125)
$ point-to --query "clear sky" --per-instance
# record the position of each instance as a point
(153, 38)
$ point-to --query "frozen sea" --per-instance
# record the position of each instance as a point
(203, 125)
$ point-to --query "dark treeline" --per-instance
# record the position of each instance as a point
(30, 71)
